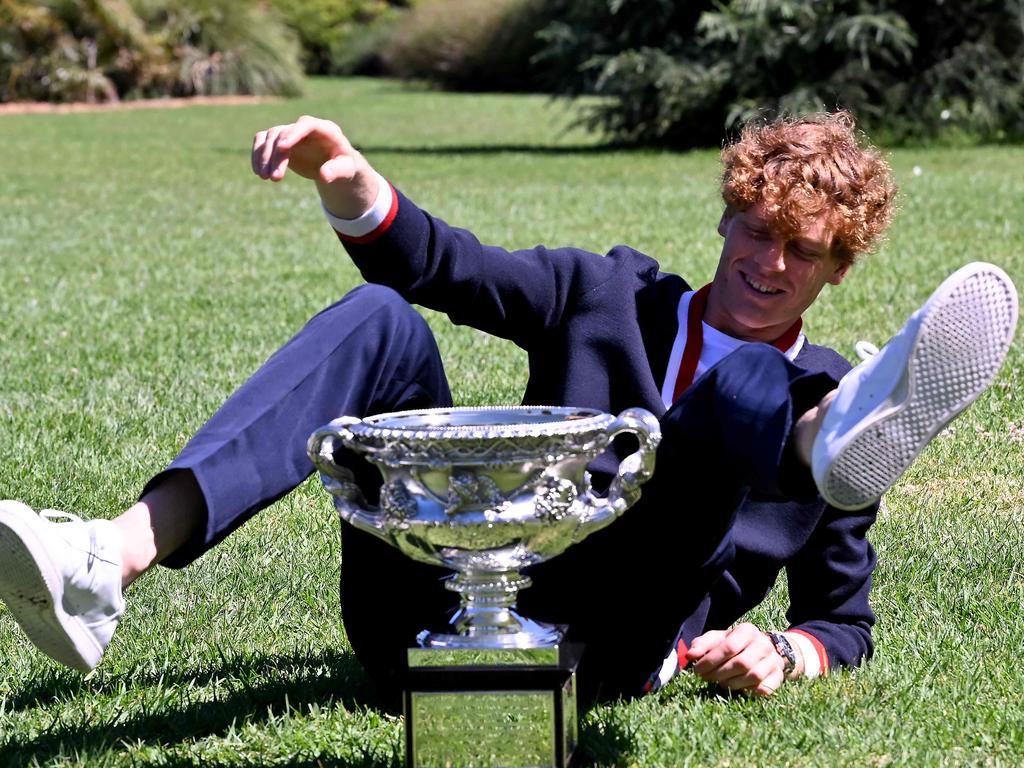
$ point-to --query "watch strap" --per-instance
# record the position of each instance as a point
(785, 649)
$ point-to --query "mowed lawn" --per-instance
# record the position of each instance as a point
(145, 272)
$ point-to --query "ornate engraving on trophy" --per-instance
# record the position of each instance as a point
(397, 501)
(470, 491)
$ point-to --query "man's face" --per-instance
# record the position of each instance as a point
(763, 283)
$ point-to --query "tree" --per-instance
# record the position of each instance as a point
(681, 72)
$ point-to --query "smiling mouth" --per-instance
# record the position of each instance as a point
(767, 290)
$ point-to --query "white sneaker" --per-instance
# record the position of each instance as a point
(889, 407)
(61, 581)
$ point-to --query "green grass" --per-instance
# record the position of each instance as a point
(145, 272)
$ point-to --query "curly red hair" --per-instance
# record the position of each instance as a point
(803, 168)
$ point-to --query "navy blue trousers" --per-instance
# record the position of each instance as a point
(620, 591)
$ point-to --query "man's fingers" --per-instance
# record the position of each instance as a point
(273, 155)
(723, 647)
(771, 683)
(267, 150)
(742, 659)
(704, 643)
(747, 670)
(258, 141)
(296, 132)
(744, 634)
(739, 638)
(735, 672)
(303, 147)
(279, 169)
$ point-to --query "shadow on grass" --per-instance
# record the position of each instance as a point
(312, 762)
(252, 696)
(61, 685)
(602, 744)
(497, 149)
(248, 690)
(482, 149)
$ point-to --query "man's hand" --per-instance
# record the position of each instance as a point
(742, 658)
(318, 150)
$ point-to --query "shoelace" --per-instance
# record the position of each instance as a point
(55, 514)
(865, 349)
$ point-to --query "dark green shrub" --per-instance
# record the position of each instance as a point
(476, 45)
(682, 72)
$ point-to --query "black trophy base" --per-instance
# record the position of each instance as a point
(480, 707)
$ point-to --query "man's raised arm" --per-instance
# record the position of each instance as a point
(518, 295)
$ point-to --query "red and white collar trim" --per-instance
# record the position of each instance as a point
(690, 357)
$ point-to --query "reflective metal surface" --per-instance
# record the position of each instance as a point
(486, 492)
(493, 728)
(492, 707)
(422, 658)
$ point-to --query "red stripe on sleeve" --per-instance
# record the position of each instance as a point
(822, 655)
(380, 229)
(681, 650)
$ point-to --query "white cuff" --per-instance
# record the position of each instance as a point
(370, 220)
(812, 665)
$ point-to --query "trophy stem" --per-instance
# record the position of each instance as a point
(487, 617)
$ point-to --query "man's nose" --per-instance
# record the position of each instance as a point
(772, 256)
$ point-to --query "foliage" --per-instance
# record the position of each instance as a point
(227, 46)
(475, 45)
(680, 72)
(71, 51)
(340, 36)
(105, 50)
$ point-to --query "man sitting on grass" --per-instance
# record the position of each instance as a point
(774, 453)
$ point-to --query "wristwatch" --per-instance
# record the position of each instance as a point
(785, 650)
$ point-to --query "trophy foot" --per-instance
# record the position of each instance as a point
(527, 634)
(487, 617)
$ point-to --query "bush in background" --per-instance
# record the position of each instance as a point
(341, 36)
(227, 46)
(68, 51)
(105, 50)
(680, 72)
(474, 45)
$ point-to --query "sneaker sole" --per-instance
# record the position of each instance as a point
(964, 336)
(33, 591)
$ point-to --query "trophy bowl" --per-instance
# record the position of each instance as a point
(486, 492)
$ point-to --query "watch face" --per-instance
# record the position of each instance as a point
(785, 650)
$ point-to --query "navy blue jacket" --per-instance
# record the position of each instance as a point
(598, 331)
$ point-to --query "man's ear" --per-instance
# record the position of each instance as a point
(723, 223)
(839, 274)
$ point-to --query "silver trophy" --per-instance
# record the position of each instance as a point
(487, 492)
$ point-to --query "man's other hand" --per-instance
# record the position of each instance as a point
(318, 149)
(742, 658)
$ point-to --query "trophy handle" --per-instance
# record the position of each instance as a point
(634, 470)
(339, 481)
